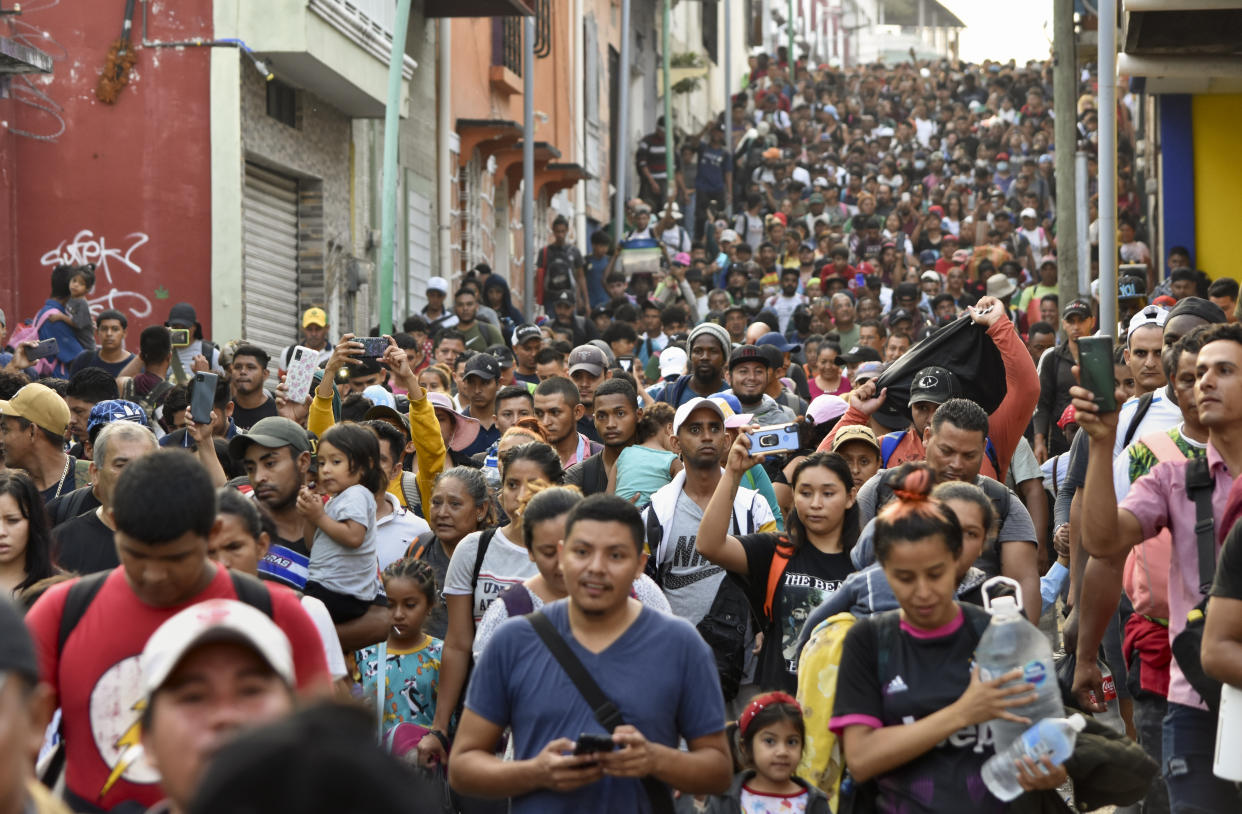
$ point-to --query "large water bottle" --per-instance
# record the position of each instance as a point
(1052, 737)
(1012, 643)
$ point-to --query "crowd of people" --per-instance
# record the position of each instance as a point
(742, 479)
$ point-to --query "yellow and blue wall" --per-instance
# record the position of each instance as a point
(1201, 178)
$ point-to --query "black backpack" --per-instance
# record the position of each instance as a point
(558, 276)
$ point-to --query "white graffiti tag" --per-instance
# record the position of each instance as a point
(87, 247)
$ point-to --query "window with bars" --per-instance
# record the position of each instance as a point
(507, 43)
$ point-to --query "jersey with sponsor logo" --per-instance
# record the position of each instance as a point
(923, 671)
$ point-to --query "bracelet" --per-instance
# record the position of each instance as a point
(441, 737)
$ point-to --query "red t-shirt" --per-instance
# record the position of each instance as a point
(98, 682)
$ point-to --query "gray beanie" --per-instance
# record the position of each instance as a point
(714, 330)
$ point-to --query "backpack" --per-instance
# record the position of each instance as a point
(558, 276)
(889, 443)
(30, 333)
(151, 401)
(1140, 412)
(823, 759)
(420, 545)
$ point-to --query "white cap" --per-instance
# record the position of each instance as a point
(930, 276)
(728, 236)
(216, 620)
(698, 402)
(672, 362)
(1151, 315)
(438, 284)
(820, 181)
(1028, 213)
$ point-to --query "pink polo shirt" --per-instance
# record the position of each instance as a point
(1159, 501)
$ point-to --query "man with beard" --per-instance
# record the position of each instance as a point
(616, 416)
(709, 347)
(749, 371)
(251, 403)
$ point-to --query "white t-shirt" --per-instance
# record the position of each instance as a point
(1163, 414)
(394, 532)
(505, 563)
(318, 612)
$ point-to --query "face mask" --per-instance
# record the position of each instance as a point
(751, 302)
(920, 165)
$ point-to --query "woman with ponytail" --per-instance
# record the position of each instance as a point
(911, 710)
(786, 576)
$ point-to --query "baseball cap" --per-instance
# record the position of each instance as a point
(698, 402)
(382, 412)
(861, 353)
(961, 256)
(1069, 416)
(182, 315)
(1028, 213)
(748, 353)
(866, 372)
(377, 395)
(778, 341)
(816, 198)
(898, 315)
(438, 284)
(1193, 306)
(563, 296)
(588, 358)
(1151, 315)
(927, 256)
(214, 620)
(1079, 308)
(732, 409)
(109, 410)
(934, 384)
(41, 406)
(855, 432)
(483, 365)
(1131, 288)
(465, 428)
(272, 432)
(931, 275)
(825, 407)
(314, 316)
(728, 236)
(524, 333)
(681, 259)
(672, 362)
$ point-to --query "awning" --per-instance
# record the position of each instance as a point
(479, 8)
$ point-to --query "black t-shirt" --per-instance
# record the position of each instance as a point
(586, 426)
(68, 506)
(90, 358)
(85, 545)
(922, 674)
(63, 486)
(245, 419)
(810, 576)
(1228, 582)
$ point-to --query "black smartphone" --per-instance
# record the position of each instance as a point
(203, 396)
(44, 349)
(372, 346)
(592, 743)
(1095, 370)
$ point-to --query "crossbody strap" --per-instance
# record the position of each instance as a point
(1199, 486)
(605, 711)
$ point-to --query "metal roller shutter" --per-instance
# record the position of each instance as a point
(270, 260)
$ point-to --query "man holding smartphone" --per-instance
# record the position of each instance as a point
(519, 683)
(251, 401)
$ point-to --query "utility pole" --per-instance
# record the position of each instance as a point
(792, 70)
(726, 68)
(528, 163)
(1064, 105)
(388, 207)
(670, 158)
(623, 128)
(1107, 62)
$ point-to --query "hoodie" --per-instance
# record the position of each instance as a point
(506, 311)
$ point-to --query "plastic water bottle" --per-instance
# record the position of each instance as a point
(1051, 737)
(1111, 717)
(1012, 643)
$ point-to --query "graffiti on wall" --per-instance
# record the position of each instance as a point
(115, 264)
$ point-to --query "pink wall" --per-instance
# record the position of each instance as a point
(126, 186)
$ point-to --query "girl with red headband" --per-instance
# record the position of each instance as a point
(770, 733)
